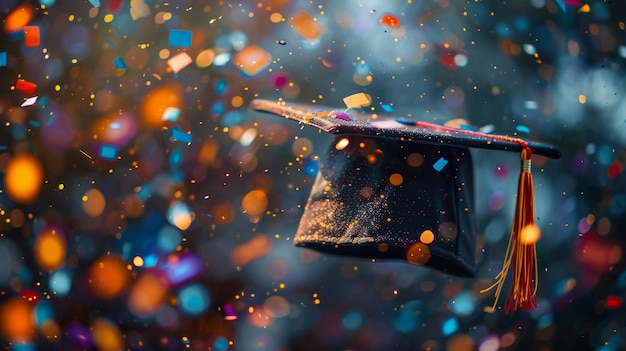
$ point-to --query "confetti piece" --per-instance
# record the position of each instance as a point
(179, 135)
(389, 20)
(584, 9)
(119, 63)
(31, 36)
(180, 61)
(25, 86)
(339, 114)
(561, 4)
(450, 326)
(180, 215)
(171, 114)
(29, 102)
(303, 23)
(34, 123)
(522, 129)
(229, 312)
(357, 100)
(613, 303)
(85, 154)
(3, 59)
(138, 9)
(115, 6)
(449, 57)
(180, 38)
(614, 169)
(440, 164)
(95, 3)
(108, 152)
(387, 108)
(252, 59)
(488, 128)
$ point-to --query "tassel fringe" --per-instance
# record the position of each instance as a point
(521, 252)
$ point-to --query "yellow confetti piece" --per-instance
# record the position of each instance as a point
(357, 100)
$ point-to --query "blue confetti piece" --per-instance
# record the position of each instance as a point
(440, 164)
(150, 261)
(311, 168)
(95, 3)
(522, 129)
(108, 152)
(119, 63)
(34, 123)
(180, 38)
(179, 135)
(387, 108)
(171, 114)
(561, 4)
(3, 59)
(218, 107)
(176, 157)
(221, 86)
(449, 326)
(221, 344)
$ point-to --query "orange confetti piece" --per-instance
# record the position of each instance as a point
(252, 59)
(25, 86)
(18, 18)
(389, 20)
(303, 23)
(31, 36)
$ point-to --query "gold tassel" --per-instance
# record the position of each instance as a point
(521, 252)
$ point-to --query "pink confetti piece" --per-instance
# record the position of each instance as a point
(180, 61)
(29, 102)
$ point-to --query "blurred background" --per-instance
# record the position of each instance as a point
(144, 207)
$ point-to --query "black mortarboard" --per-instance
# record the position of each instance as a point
(405, 190)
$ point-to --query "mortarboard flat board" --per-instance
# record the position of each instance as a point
(389, 189)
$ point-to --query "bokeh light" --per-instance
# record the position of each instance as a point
(193, 299)
(157, 101)
(147, 294)
(106, 335)
(93, 202)
(17, 322)
(108, 276)
(144, 205)
(23, 178)
(50, 249)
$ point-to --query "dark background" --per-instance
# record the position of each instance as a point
(543, 70)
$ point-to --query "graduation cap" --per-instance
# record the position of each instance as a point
(389, 189)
